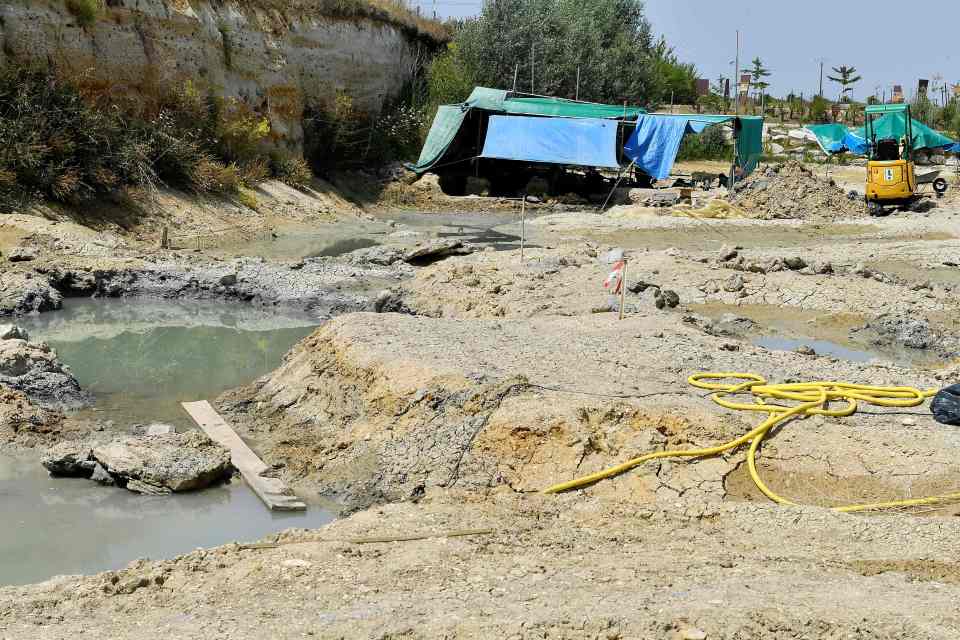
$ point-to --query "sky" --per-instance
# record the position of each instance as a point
(792, 42)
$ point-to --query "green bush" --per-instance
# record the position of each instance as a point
(341, 137)
(85, 11)
(290, 169)
(709, 145)
(61, 144)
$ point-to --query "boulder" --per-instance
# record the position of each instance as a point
(734, 283)
(13, 332)
(795, 263)
(727, 253)
(383, 256)
(69, 460)
(670, 298)
(165, 463)
(34, 369)
(436, 250)
(776, 149)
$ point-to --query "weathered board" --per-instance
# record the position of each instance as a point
(274, 493)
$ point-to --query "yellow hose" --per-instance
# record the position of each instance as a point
(811, 398)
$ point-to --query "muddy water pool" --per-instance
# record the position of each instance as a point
(140, 360)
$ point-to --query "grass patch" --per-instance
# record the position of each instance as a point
(85, 11)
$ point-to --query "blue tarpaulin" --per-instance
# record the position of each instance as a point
(585, 142)
(654, 145)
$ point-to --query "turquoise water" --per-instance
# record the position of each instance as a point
(140, 360)
(61, 526)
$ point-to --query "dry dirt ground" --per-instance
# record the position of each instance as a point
(509, 375)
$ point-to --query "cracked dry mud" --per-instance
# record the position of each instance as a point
(513, 376)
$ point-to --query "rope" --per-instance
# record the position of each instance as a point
(810, 398)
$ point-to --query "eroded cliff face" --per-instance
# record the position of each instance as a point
(278, 62)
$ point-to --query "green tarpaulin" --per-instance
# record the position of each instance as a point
(749, 143)
(450, 118)
(444, 129)
(836, 138)
(894, 126)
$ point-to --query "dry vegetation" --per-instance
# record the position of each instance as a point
(395, 12)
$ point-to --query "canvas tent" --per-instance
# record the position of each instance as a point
(500, 126)
(452, 121)
(836, 138)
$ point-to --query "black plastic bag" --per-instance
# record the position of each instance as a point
(946, 406)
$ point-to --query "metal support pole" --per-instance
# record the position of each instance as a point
(736, 78)
(623, 286)
(523, 226)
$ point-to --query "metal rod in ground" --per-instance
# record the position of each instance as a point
(623, 286)
(523, 226)
(620, 175)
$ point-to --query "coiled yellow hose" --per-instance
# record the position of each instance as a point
(812, 398)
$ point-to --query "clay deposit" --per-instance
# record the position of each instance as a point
(278, 61)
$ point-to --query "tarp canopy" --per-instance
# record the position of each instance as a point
(586, 142)
(449, 118)
(836, 138)
(654, 145)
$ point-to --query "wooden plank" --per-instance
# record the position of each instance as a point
(274, 493)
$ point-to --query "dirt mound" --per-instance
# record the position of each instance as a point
(793, 191)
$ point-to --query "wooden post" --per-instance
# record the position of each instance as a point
(199, 247)
(523, 226)
(165, 238)
(623, 286)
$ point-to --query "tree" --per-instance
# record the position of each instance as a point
(846, 77)
(609, 41)
(757, 75)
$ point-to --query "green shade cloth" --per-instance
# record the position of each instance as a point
(444, 129)
(749, 143)
(450, 118)
(894, 126)
(836, 138)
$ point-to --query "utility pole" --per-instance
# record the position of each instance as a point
(821, 78)
(532, 76)
(736, 78)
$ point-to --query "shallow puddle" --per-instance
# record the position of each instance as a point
(57, 526)
(822, 347)
(828, 334)
(142, 359)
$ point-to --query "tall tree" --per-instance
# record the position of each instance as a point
(758, 75)
(846, 77)
(609, 41)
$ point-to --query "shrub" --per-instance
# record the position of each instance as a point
(709, 145)
(66, 145)
(239, 130)
(85, 11)
(291, 170)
